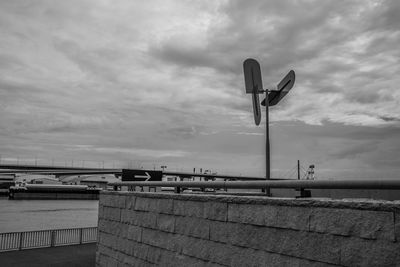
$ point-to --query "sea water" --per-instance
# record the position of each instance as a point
(31, 215)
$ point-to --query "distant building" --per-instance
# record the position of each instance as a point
(98, 181)
(36, 179)
(45, 180)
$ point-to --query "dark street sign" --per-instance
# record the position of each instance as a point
(283, 88)
(253, 84)
(141, 175)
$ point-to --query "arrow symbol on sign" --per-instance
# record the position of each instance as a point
(147, 176)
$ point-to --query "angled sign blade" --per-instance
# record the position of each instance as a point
(253, 85)
(283, 88)
(256, 109)
(271, 94)
(252, 76)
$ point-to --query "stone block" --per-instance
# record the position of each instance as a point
(114, 200)
(102, 225)
(104, 260)
(107, 240)
(130, 202)
(112, 214)
(301, 244)
(161, 239)
(179, 260)
(251, 257)
(158, 205)
(397, 225)
(166, 258)
(146, 204)
(139, 218)
(248, 235)
(134, 233)
(216, 211)
(196, 247)
(104, 200)
(367, 224)
(189, 208)
(104, 250)
(125, 246)
(113, 227)
(166, 222)
(140, 251)
(126, 216)
(101, 212)
(137, 250)
(120, 256)
(122, 229)
(144, 219)
(165, 206)
(129, 261)
(192, 226)
(296, 218)
(364, 252)
(306, 245)
(120, 244)
(223, 253)
(246, 213)
(218, 231)
(154, 255)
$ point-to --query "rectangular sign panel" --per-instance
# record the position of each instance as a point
(140, 175)
(252, 76)
(283, 88)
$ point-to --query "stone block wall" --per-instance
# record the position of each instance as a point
(159, 229)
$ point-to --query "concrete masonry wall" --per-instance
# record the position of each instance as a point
(158, 229)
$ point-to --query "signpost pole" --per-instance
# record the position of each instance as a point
(267, 150)
(253, 85)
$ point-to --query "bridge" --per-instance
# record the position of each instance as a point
(64, 171)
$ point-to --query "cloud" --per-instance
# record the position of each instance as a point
(128, 79)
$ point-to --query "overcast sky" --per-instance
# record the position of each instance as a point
(151, 83)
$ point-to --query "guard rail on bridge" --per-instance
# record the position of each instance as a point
(293, 184)
(47, 238)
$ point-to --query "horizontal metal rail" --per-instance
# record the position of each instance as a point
(212, 176)
(47, 238)
(294, 184)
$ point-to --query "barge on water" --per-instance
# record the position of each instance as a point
(53, 191)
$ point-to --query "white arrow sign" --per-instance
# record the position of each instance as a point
(146, 177)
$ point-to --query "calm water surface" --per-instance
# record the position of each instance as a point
(30, 215)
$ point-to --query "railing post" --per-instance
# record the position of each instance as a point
(80, 235)
(53, 238)
(21, 240)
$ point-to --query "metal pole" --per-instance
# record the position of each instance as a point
(53, 238)
(298, 169)
(21, 240)
(267, 148)
(80, 236)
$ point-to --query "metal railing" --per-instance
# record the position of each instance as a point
(47, 238)
(294, 184)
